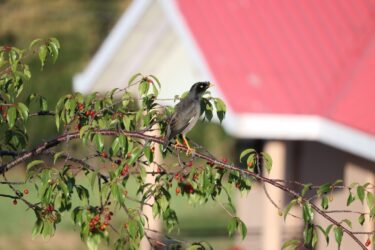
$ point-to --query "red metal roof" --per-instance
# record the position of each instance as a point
(290, 57)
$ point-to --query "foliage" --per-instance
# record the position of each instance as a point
(121, 133)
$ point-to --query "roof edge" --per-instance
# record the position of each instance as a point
(302, 127)
(83, 81)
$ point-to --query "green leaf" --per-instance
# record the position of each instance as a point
(220, 108)
(347, 222)
(132, 79)
(243, 229)
(115, 145)
(350, 199)
(290, 244)
(34, 42)
(83, 130)
(156, 80)
(93, 241)
(361, 193)
(323, 189)
(56, 156)
(11, 116)
(308, 214)
(143, 87)
(361, 219)
(232, 226)
(23, 110)
(324, 202)
(246, 152)
(370, 200)
(338, 234)
(98, 141)
(290, 205)
(42, 54)
(148, 153)
(267, 161)
(306, 187)
(37, 229)
(54, 51)
(43, 104)
(33, 163)
(314, 239)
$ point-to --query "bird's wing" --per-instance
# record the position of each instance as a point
(185, 113)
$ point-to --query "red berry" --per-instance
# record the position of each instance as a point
(250, 164)
(92, 113)
(125, 170)
(225, 160)
(190, 164)
(177, 176)
(368, 242)
(97, 217)
(102, 227)
(14, 202)
(26, 191)
(87, 113)
(104, 154)
(178, 190)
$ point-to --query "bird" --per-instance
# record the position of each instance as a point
(186, 114)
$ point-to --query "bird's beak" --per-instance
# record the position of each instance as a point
(211, 85)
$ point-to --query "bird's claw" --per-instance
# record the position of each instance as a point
(190, 151)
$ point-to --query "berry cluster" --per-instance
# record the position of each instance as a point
(96, 223)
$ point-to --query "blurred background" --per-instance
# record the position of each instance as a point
(297, 77)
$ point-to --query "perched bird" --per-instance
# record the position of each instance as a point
(186, 114)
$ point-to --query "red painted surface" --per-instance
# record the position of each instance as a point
(290, 57)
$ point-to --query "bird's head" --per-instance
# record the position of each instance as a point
(198, 89)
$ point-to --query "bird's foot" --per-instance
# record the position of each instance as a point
(177, 144)
(190, 151)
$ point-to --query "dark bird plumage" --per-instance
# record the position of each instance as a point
(186, 113)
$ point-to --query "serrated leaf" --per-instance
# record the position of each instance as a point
(232, 226)
(34, 163)
(11, 116)
(290, 244)
(156, 80)
(350, 199)
(42, 54)
(347, 222)
(34, 42)
(267, 161)
(323, 189)
(338, 234)
(370, 200)
(246, 152)
(83, 130)
(361, 193)
(56, 156)
(287, 209)
(115, 145)
(23, 110)
(132, 79)
(243, 229)
(148, 153)
(324, 202)
(98, 141)
(361, 219)
(308, 214)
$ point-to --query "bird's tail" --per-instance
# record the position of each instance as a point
(165, 143)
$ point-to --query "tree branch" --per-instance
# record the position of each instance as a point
(217, 164)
